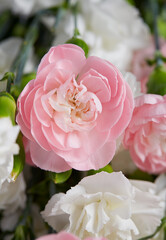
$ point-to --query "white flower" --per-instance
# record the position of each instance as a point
(8, 147)
(12, 196)
(106, 205)
(133, 83)
(112, 29)
(160, 183)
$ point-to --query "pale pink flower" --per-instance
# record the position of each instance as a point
(140, 67)
(145, 136)
(74, 110)
(65, 236)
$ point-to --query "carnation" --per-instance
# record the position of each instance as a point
(74, 110)
(116, 41)
(145, 136)
(8, 147)
(106, 205)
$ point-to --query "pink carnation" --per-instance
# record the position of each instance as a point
(65, 236)
(140, 67)
(74, 110)
(145, 136)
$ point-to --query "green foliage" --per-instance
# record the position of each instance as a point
(7, 106)
(140, 175)
(157, 81)
(19, 159)
(79, 42)
(107, 168)
(60, 177)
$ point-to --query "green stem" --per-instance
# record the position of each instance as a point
(75, 10)
(154, 6)
(29, 41)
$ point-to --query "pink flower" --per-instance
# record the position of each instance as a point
(65, 236)
(74, 110)
(140, 67)
(145, 136)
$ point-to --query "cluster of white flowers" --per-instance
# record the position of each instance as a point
(8, 147)
(107, 205)
(12, 194)
(123, 31)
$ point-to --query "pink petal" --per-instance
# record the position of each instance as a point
(51, 138)
(107, 70)
(125, 118)
(29, 103)
(108, 118)
(70, 52)
(26, 131)
(47, 160)
(41, 114)
(96, 84)
(55, 78)
(37, 132)
(94, 161)
(21, 101)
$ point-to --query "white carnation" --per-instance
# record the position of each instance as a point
(112, 29)
(8, 147)
(12, 195)
(160, 183)
(107, 205)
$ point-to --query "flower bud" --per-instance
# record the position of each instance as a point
(157, 81)
(7, 106)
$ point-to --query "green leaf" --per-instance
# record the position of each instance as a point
(19, 159)
(60, 177)
(79, 42)
(161, 26)
(20, 233)
(7, 106)
(26, 78)
(107, 168)
(138, 174)
(157, 81)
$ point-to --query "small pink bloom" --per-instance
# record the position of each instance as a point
(140, 67)
(145, 136)
(65, 236)
(74, 110)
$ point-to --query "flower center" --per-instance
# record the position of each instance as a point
(74, 107)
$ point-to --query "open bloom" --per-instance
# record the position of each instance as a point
(65, 236)
(74, 110)
(106, 205)
(145, 136)
(8, 147)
